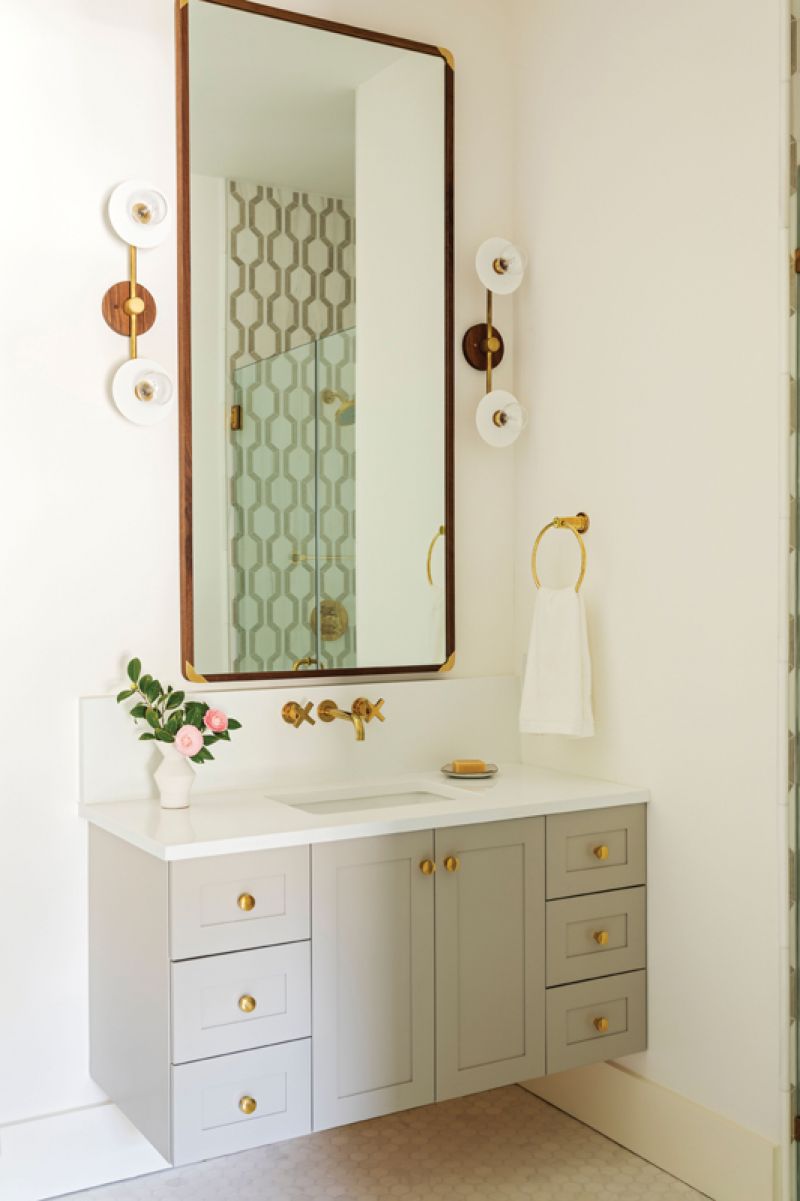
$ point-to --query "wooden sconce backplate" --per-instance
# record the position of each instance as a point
(114, 311)
(473, 347)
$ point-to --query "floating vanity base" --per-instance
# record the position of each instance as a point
(419, 966)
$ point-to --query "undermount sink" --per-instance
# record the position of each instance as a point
(345, 799)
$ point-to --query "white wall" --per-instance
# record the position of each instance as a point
(648, 347)
(90, 540)
(210, 398)
(400, 361)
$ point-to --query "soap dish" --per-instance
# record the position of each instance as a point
(491, 770)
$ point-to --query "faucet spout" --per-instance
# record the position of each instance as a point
(329, 711)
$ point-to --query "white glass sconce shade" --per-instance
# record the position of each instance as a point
(139, 213)
(500, 418)
(500, 265)
(142, 391)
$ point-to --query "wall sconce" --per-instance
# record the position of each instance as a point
(141, 388)
(500, 417)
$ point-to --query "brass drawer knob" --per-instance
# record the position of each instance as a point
(247, 1003)
(452, 863)
(246, 902)
(601, 937)
(601, 1025)
(427, 867)
(248, 1105)
(600, 852)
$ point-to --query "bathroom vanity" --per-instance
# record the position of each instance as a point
(262, 967)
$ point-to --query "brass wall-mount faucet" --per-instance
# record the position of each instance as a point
(361, 714)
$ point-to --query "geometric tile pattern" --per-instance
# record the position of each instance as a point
(793, 713)
(293, 507)
(291, 312)
(291, 269)
(504, 1145)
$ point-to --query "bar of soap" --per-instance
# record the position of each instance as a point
(467, 766)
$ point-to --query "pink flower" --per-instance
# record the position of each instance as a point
(188, 741)
(216, 721)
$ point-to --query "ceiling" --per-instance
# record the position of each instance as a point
(274, 102)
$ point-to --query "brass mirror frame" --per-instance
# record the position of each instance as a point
(185, 346)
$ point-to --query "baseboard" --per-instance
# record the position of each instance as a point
(700, 1147)
(71, 1151)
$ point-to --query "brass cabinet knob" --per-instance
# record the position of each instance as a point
(601, 1025)
(366, 710)
(294, 714)
(601, 937)
(427, 867)
(246, 902)
(247, 1003)
(248, 1105)
(452, 863)
(600, 852)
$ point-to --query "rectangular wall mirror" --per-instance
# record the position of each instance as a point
(316, 346)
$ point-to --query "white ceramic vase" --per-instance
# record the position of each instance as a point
(174, 777)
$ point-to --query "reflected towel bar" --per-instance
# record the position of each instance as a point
(440, 533)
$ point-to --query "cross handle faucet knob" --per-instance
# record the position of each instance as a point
(367, 710)
(294, 714)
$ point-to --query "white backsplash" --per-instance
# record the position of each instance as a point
(428, 722)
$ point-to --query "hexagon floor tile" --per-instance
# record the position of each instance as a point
(504, 1145)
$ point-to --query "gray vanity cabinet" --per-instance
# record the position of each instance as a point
(244, 998)
(490, 1013)
(373, 958)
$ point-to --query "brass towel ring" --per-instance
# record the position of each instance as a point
(579, 524)
(440, 533)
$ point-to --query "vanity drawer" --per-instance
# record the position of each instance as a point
(208, 1117)
(233, 902)
(228, 1003)
(576, 1013)
(595, 935)
(596, 850)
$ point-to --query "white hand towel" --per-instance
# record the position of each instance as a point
(557, 691)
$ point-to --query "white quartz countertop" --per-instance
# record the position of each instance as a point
(224, 823)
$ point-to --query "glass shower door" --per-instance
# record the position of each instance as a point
(292, 505)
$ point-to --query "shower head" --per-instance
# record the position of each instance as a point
(346, 413)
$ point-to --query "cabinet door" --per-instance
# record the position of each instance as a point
(490, 962)
(372, 957)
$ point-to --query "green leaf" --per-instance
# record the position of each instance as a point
(153, 718)
(174, 724)
(224, 736)
(164, 736)
(233, 724)
(146, 737)
(194, 714)
(153, 691)
(139, 710)
(134, 668)
(175, 700)
(209, 739)
(145, 683)
(123, 696)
